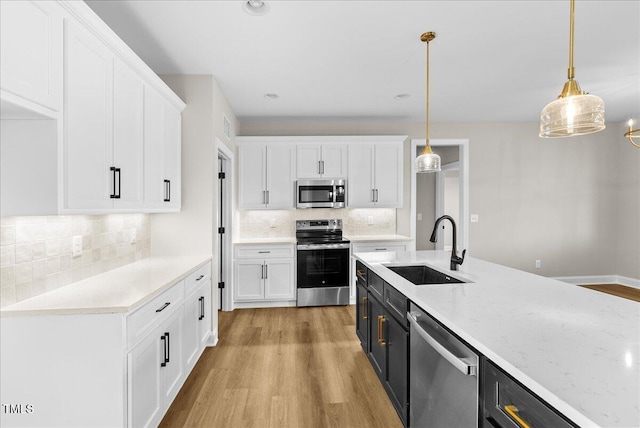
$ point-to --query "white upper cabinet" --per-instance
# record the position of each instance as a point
(128, 97)
(321, 161)
(31, 54)
(375, 173)
(266, 175)
(88, 121)
(162, 148)
(61, 63)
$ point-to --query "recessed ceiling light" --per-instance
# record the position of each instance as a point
(401, 96)
(256, 7)
(271, 96)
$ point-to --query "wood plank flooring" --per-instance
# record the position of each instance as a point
(617, 290)
(284, 367)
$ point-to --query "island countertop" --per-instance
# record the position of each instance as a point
(119, 290)
(576, 348)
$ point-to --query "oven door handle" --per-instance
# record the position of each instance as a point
(323, 247)
(463, 366)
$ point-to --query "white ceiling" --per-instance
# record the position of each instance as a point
(498, 60)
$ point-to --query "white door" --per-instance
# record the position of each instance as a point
(388, 175)
(171, 375)
(144, 382)
(31, 51)
(279, 280)
(280, 179)
(360, 182)
(154, 152)
(251, 177)
(308, 157)
(249, 280)
(172, 141)
(128, 143)
(88, 119)
(334, 161)
(204, 323)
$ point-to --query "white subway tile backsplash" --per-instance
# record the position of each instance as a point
(36, 251)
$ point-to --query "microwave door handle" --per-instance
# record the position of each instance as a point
(463, 366)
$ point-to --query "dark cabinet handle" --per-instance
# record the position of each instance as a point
(167, 190)
(116, 194)
(201, 317)
(163, 307)
(163, 363)
(166, 360)
(199, 278)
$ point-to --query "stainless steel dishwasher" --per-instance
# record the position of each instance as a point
(443, 376)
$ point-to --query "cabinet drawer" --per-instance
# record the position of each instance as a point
(505, 401)
(396, 303)
(379, 246)
(376, 285)
(145, 319)
(265, 252)
(200, 276)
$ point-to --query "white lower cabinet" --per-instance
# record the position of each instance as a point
(106, 369)
(264, 276)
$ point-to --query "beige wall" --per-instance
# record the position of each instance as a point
(553, 200)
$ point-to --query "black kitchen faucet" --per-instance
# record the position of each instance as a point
(455, 260)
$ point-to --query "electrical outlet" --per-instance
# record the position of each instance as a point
(538, 264)
(474, 218)
(419, 216)
(77, 246)
(370, 220)
(134, 236)
(273, 223)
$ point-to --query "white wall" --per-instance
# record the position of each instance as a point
(554, 200)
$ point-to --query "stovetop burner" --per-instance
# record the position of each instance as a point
(319, 231)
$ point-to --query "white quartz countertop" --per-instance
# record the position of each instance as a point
(578, 349)
(378, 238)
(265, 241)
(118, 290)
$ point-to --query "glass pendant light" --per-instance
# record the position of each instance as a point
(428, 161)
(574, 112)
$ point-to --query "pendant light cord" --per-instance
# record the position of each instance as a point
(570, 72)
(427, 37)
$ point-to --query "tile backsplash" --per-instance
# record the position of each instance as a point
(36, 251)
(282, 224)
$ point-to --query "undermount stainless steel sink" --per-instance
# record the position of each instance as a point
(423, 275)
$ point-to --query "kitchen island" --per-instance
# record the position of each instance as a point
(577, 349)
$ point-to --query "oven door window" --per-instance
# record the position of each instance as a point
(323, 268)
(310, 194)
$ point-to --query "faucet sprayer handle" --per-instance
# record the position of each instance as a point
(464, 252)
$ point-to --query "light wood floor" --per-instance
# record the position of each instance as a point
(284, 367)
(617, 290)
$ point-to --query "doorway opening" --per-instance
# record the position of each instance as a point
(445, 192)
(224, 226)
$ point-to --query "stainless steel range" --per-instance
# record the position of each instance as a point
(323, 263)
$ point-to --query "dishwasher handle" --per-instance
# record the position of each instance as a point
(466, 368)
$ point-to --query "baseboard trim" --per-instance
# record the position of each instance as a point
(213, 338)
(600, 279)
(268, 304)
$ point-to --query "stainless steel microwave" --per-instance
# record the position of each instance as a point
(321, 194)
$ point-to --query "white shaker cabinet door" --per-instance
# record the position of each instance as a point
(172, 374)
(249, 280)
(388, 175)
(251, 177)
(172, 149)
(144, 364)
(308, 157)
(154, 151)
(196, 324)
(280, 176)
(128, 122)
(279, 280)
(334, 161)
(88, 121)
(360, 184)
(31, 51)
